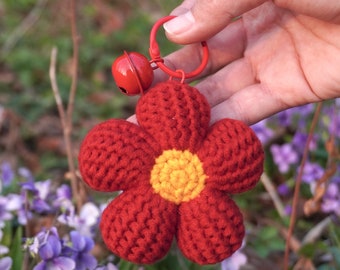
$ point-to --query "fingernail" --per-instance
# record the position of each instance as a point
(180, 24)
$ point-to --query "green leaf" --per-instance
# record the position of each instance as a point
(336, 255)
(326, 267)
(310, 250)
(7, 234)
(126, 265)
(173, 260)
(268, 233)
(267, 240)
(16, 252)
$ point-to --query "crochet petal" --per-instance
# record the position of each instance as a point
(176, 114)
(139, 226)
(116, 155)
(232, 156)
(210, 227)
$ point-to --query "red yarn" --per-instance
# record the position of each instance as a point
(139, 225)
(242, 159)
(175, 115)
(210, 228)
(115, 151)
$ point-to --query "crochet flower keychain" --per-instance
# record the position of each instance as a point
(175, 170)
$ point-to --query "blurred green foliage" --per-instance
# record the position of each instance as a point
(28, 57)
(29, 31)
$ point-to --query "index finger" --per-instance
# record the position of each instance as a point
(198, 19)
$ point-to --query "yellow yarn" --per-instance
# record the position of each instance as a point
(178, 176)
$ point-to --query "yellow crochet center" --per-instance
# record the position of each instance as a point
(178, 176)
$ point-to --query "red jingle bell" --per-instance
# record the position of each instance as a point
(133, 73)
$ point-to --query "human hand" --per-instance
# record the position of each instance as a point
(277, 55)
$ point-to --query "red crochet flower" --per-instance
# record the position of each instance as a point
(176, 173)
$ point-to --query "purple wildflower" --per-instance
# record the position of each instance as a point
(111, 266)
(61, 263)
(262, 131)
(84, 222)
(334, 126)
(5, 213)
(40, 206)
(30, 186)
(50, 248)
(331, 200)
(63, 197)
(236, 261)
(285, 117)
(9, 205)
(284, 156)
(12, 204)
(81, 246)
(26, 173)
(32, 244)
(7, 174)
(283, 189)
(312, 172)
(3, 250)
(50, 251)
(288, 210)
(6, 263)
(306, 110)
(64, 192)
(41, 192)
(299, 141)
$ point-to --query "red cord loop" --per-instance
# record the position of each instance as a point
(180, 74)
(158, 60)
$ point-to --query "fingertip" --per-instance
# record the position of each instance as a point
(187, 29)
(179, 24)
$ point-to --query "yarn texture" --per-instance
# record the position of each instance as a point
(177, 174)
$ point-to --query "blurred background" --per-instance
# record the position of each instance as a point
(29, 31)
(35, 193)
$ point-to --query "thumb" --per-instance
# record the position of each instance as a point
(199, 20)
